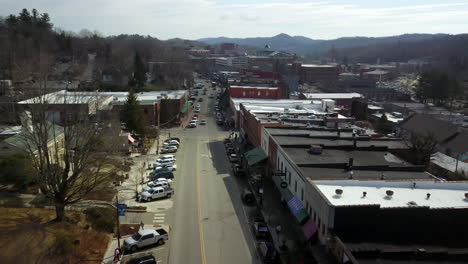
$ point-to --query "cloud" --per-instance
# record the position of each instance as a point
(207, 18)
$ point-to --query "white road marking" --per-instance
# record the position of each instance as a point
(158, 217)
(158, 221)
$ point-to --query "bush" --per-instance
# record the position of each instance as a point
(101, 219)
(16, 169)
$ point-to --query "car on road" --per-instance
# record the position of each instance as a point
(198, 106)
(233, 158)
(197, 110)
(155, 193)
(144, 238)
(167, 150)
(149, 259)
(203, 122)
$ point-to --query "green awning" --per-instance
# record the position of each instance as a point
(185, 108)
(255, 155)
(285, 193)
(301, 216)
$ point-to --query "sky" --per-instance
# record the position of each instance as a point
(194, 19)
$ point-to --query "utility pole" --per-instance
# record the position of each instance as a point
(118, 221)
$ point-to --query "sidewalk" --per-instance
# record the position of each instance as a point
(276, 213)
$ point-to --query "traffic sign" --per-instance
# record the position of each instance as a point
(121, 209)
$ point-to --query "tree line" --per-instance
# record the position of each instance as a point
(437, 87)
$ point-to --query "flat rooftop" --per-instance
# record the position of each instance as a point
(318, 66)
(345, 139)
(442, 194)
(331, 95)
(281, 103)
(332, 174)
(337, 156)
(254, 87)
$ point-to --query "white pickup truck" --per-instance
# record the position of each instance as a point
(145, 237)
(155, 193)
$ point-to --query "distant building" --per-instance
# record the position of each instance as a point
(342, 99)
(235, 62)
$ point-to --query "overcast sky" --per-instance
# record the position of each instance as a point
(193, 19)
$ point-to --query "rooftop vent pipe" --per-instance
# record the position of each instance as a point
(364, 194)
(339, 191)
(466, 195)
(428, 195)
(389, 193)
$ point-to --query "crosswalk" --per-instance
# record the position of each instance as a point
(159, 218)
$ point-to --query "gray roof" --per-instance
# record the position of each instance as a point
(423, 125)
(345, 139)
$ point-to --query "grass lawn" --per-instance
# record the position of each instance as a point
(28, 236)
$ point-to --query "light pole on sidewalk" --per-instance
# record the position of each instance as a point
(117, 212)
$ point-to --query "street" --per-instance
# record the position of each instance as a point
(208, 220)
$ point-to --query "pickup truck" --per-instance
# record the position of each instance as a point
(154, 184)
(155, 193)
(145, 237)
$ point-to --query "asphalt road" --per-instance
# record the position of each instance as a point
(208, 221)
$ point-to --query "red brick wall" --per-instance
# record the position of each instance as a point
(254, 93)
(316, 74)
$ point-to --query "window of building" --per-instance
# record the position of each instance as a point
(267, 93)
(295, 186)
(302, 194)
(289, 179)
(258, 93)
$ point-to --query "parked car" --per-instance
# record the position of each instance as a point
(144, 238)
(227, 140)
(238, 170)
(155, 193)
(192, 124)
(261, 229)
(161, 163)
(247, 196)
(171, 143)
(167, 150)
(228, 145)
(168, 157)
(175, 138)
(166, 174)
(198, 106)
(230, 151)
(267, 251)
(169, 181)
(154, 184)
(197, 110)
(149, 259)
(233, 158)
(203, 122)
(172, 167)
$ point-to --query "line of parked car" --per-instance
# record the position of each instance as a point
(160, 179)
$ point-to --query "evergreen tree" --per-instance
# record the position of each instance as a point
(132, 114)
(139, 73)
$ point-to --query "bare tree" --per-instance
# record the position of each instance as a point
(65, 142)
(421, 146)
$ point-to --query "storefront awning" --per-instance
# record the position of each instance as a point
(309, 228)
(296, 208)
(130, 139)
(255, 155)
(185, 108)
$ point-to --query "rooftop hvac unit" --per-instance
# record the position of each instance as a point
(315, 149)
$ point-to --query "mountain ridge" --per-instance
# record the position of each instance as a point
(305, 45)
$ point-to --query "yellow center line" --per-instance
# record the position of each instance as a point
(200, 223)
